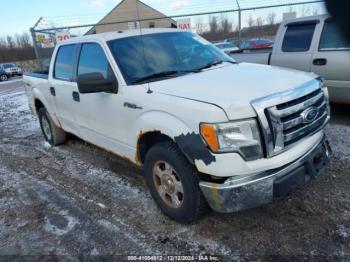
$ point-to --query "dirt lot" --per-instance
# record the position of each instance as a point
(77, 200)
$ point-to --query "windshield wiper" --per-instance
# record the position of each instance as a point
(214, 63)
(211, 64)
(178, 72)
(163, 74)
(155, 75)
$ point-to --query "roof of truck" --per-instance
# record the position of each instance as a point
(118, 34)
(305, 19)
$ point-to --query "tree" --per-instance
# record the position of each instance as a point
(199, 26)
(16, 48)
(10, 42)
(213, 24)
(271, 18)
(259, 21)
(226, 25)
(250, 21)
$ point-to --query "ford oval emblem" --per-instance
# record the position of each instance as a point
(309, 115)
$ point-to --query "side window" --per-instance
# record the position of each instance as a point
(298, 38)
(332, 38)
(93, 60)
(64, 63)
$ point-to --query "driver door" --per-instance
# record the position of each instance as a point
(101, 116)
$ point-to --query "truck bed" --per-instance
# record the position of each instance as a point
(38, 74)
(257, 56)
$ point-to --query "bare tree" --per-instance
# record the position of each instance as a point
(25, 40)
(213, 24)
(226, 25)
(17, 48)
(199, 26)
(259, 21)
(10, 42)
(271, 18)
(250, 21)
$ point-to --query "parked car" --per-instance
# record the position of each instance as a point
(312, 44)
(13, 69)
(227, 47)
(205, 129)
(3, 75)
(256, 44)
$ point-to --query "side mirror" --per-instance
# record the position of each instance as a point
(96, 83)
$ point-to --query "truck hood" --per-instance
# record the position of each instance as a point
(233, 87)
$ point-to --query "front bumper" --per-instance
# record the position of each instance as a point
(237, 194)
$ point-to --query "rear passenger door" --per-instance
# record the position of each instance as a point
(331, 60)
(295, 50)
(63, 87)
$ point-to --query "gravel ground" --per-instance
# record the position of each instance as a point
(77, 201)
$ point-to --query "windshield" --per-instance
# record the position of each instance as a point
(163, 55)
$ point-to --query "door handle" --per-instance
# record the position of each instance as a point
(52, 91)
(76, 96)
(320, 62)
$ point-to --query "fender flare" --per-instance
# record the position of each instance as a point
(189, 142)
(37, 95)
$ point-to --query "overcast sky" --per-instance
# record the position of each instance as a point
(20, 15)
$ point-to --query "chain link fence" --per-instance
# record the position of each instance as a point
(234, 21)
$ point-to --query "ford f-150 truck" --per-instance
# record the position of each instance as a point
(205, 129)
(312, 44)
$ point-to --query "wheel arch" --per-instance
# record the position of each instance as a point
(160, 127)
(39, 101)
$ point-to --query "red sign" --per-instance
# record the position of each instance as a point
(62, 37)
(184, 24)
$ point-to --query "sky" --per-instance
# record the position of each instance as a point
(20, 15)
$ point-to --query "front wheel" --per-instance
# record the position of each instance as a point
(4, 78)
(174, 183)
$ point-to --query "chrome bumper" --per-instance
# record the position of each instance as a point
(237, 194)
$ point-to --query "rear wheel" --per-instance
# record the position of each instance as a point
(52, 133)
(4, 78)
(174, 183)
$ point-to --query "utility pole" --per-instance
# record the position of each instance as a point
(239, 22)
(35, 43)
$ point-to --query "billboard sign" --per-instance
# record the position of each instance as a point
(45, 41)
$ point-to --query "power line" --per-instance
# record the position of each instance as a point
(89, 20)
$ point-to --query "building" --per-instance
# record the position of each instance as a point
(131, 14)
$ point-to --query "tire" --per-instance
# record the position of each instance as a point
(52, 133)
(3, 78)
(189, 205)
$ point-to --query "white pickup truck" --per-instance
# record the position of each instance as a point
(312, 44)
(205, 129)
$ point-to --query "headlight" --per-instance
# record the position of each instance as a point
(324, 88)
(242, 137)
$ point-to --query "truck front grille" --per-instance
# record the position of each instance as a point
(296, 119)
(287, 119)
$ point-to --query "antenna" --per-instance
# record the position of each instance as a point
(149, 91)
